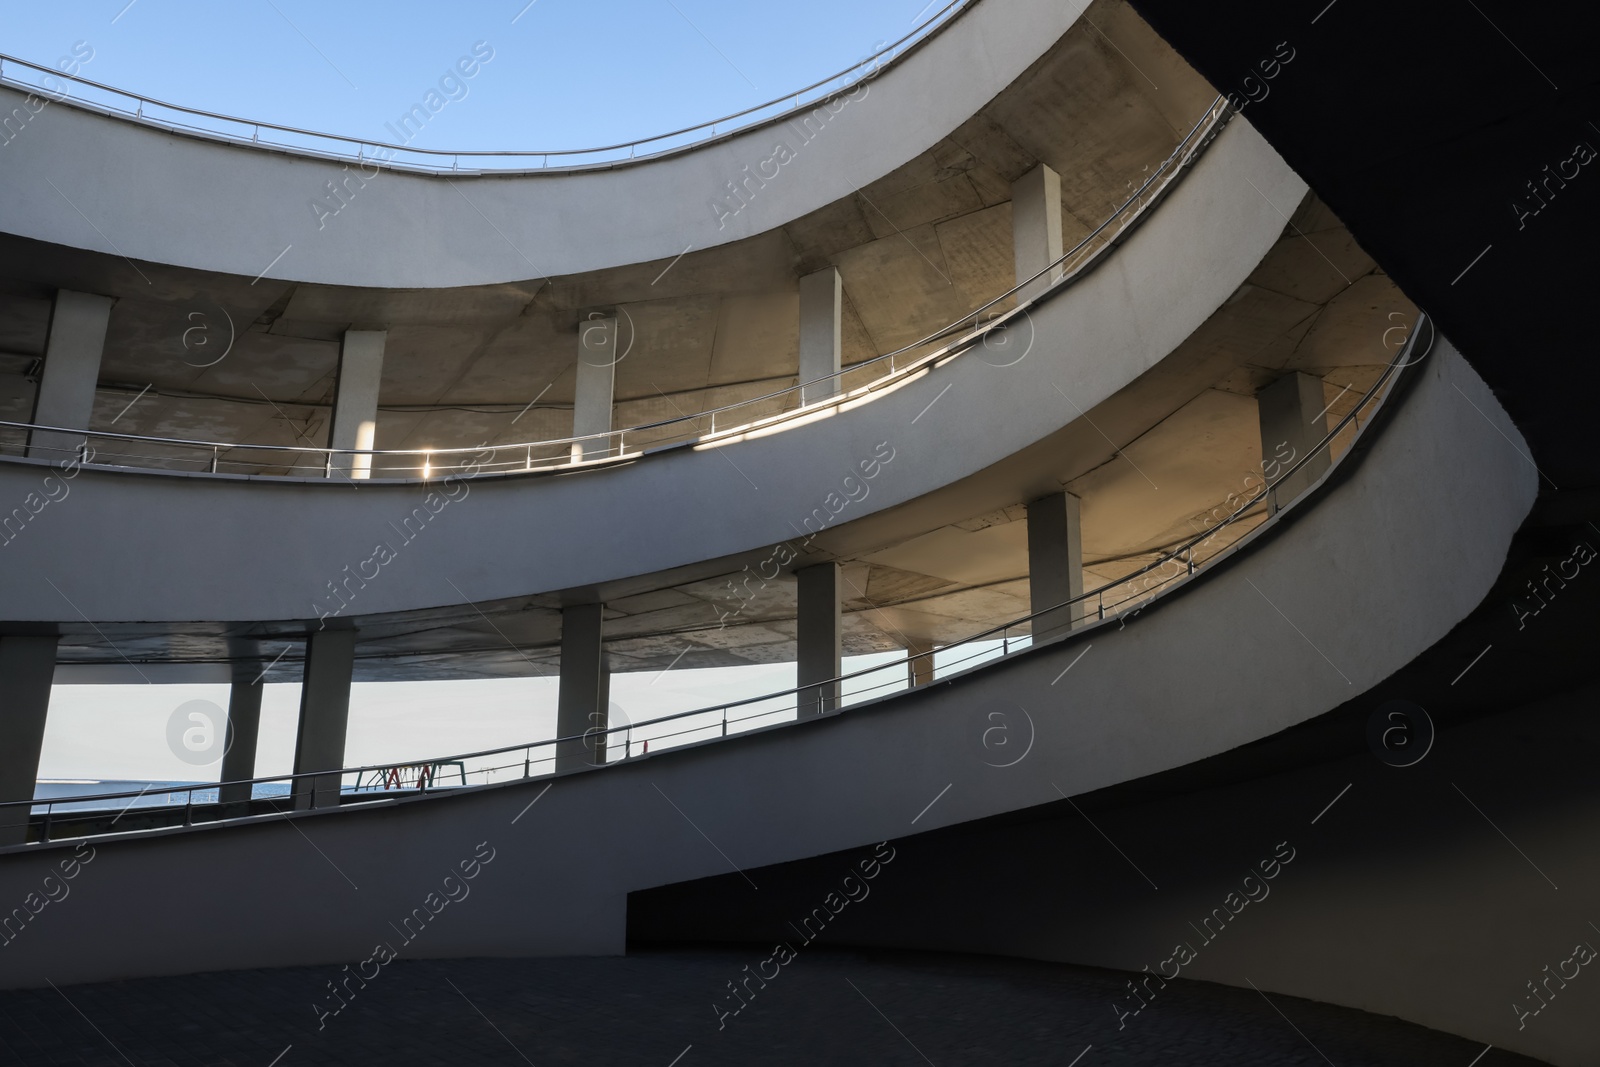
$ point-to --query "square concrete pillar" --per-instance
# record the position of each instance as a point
(355, 399)
(819, 644)
(27, 667)
(324, 717)
(1036, 228)
(596, 385)
(72, 352)
(1055, 564)
(919, 670)
(599, 743)
(583, 695)
(1293, 422)
(244, 730)
(821, 333)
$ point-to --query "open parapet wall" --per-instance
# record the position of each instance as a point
(240, 549)
(1373, 570)
(187, 201)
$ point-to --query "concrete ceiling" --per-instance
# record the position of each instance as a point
(1441, 167)
(1150, 464)
(917, 249)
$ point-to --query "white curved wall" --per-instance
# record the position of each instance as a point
(1373, 571)
(186, 201)
(210, 549)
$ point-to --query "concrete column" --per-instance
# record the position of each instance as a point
(919, 671)
(1036, 228)
(324, 716)
(355, 398)
(600, 741)
(596, 386)
(244, 729)
(818, 645)
(72, 352)
(583, 698)
(821, 333)
(1055, 563)
(27, 667)
(1293, 422)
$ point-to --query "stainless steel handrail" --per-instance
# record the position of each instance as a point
(1130, 212)
(1422, 336)
(872, 64)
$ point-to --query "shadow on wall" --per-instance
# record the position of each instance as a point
(1315, 883)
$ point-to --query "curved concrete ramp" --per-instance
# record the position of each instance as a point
(253, 205)
(1369, 573)
(504, 537)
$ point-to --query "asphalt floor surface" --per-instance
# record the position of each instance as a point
(665, 1009)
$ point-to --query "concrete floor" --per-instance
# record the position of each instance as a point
(824, 1007)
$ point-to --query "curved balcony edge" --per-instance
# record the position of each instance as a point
(975, 330)
(155, 193)
(1124, 601)
(234, 550)
(1384, 565)
(55, 85)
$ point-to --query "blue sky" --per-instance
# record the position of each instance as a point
(564, 74)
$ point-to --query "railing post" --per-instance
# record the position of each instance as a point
(44, 835)
(327, 470)
(724, 722)
(213, 459)
(527, 761)
(188, 808)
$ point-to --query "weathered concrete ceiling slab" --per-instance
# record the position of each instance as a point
(918, 247)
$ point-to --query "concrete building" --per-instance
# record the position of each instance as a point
(1090, 384)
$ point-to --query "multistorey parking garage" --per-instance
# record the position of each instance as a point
(937, 238)
(1081, 364)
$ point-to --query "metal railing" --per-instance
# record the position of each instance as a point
(973, 331)
(271, 796)
(147, 110)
